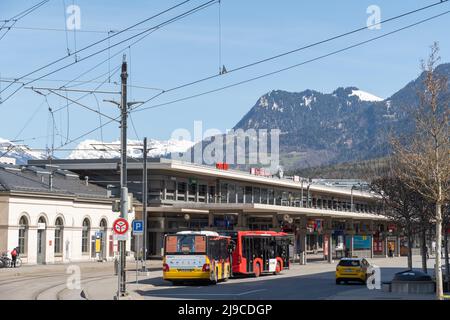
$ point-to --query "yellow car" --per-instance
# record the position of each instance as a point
(352, 269)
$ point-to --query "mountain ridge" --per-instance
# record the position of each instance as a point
(329, 128)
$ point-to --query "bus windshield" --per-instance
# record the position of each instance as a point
(185, 244)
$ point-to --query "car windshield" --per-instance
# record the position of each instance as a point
(349, 263)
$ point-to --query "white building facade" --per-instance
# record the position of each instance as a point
(52, 227)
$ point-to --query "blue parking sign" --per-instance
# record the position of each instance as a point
(138, 226)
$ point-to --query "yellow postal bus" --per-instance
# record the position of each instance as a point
(196, 255)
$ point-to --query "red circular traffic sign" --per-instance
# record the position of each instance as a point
(120, 226)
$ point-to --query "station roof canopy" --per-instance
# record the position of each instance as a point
(200, 170)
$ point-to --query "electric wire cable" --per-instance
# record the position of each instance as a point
(183, 15)
(314, 44)
(138, 107)
(104, 39)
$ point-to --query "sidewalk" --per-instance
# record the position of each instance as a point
(85, 267)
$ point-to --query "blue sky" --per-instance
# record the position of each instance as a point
(188, 50)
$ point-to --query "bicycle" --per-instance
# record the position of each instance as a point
(6, 262)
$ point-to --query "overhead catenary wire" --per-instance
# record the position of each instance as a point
(183, 15)
(138, 107)
(19, 16)
(97, 65)
(104, 39)
(278, 71)
(95, 89)
(311, 45)
(32, 116)
(65, 27)
(74, 37)
(99, 117)
(203, 6)
(82, 105)
(134, 127)
(75, 80)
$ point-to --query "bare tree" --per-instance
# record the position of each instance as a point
(399, 203)
(424, 164)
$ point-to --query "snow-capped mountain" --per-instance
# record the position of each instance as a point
(20, 153)
(346, 125)
(365, 96)
(93, 149)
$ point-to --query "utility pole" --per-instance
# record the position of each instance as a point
(123, 175)
(144, 203)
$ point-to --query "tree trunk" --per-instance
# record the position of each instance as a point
(438, 270)
(424, 249)
(410, 262)
(447, 263)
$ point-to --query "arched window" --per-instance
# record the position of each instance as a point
(23, 235)
(59, 226)
(85, 236)
(103, 225)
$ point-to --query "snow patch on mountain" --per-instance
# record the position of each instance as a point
(20, 153)
(93, 149)
(365, 96)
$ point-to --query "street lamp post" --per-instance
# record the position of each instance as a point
(145, 150)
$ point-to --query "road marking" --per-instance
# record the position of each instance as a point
(210, 294)
(249, 292)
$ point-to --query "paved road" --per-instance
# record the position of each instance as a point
(313, 281)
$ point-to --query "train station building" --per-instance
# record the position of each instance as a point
(324, 222)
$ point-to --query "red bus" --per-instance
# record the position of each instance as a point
(258, 252)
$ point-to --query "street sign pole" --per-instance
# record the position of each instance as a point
(123, 175)
(120, 229)
(138, 230)
(144, 205)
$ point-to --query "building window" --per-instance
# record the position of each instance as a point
(212, 194)
(23, 235)
(59, 225)
(240, 193)
(224, 193)
(181, 189)
(232, 193)
(192, 191)
(248, 195)
(256, 195)
(85, 236)
(202, 192)
(170, 190)
(155, 190)
(264, 196)
(271, 196)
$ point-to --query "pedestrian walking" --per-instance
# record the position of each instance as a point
(391, 250)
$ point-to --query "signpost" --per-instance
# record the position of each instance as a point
(120, 226)
(138, 231)
(138, 227)
(120, 229)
